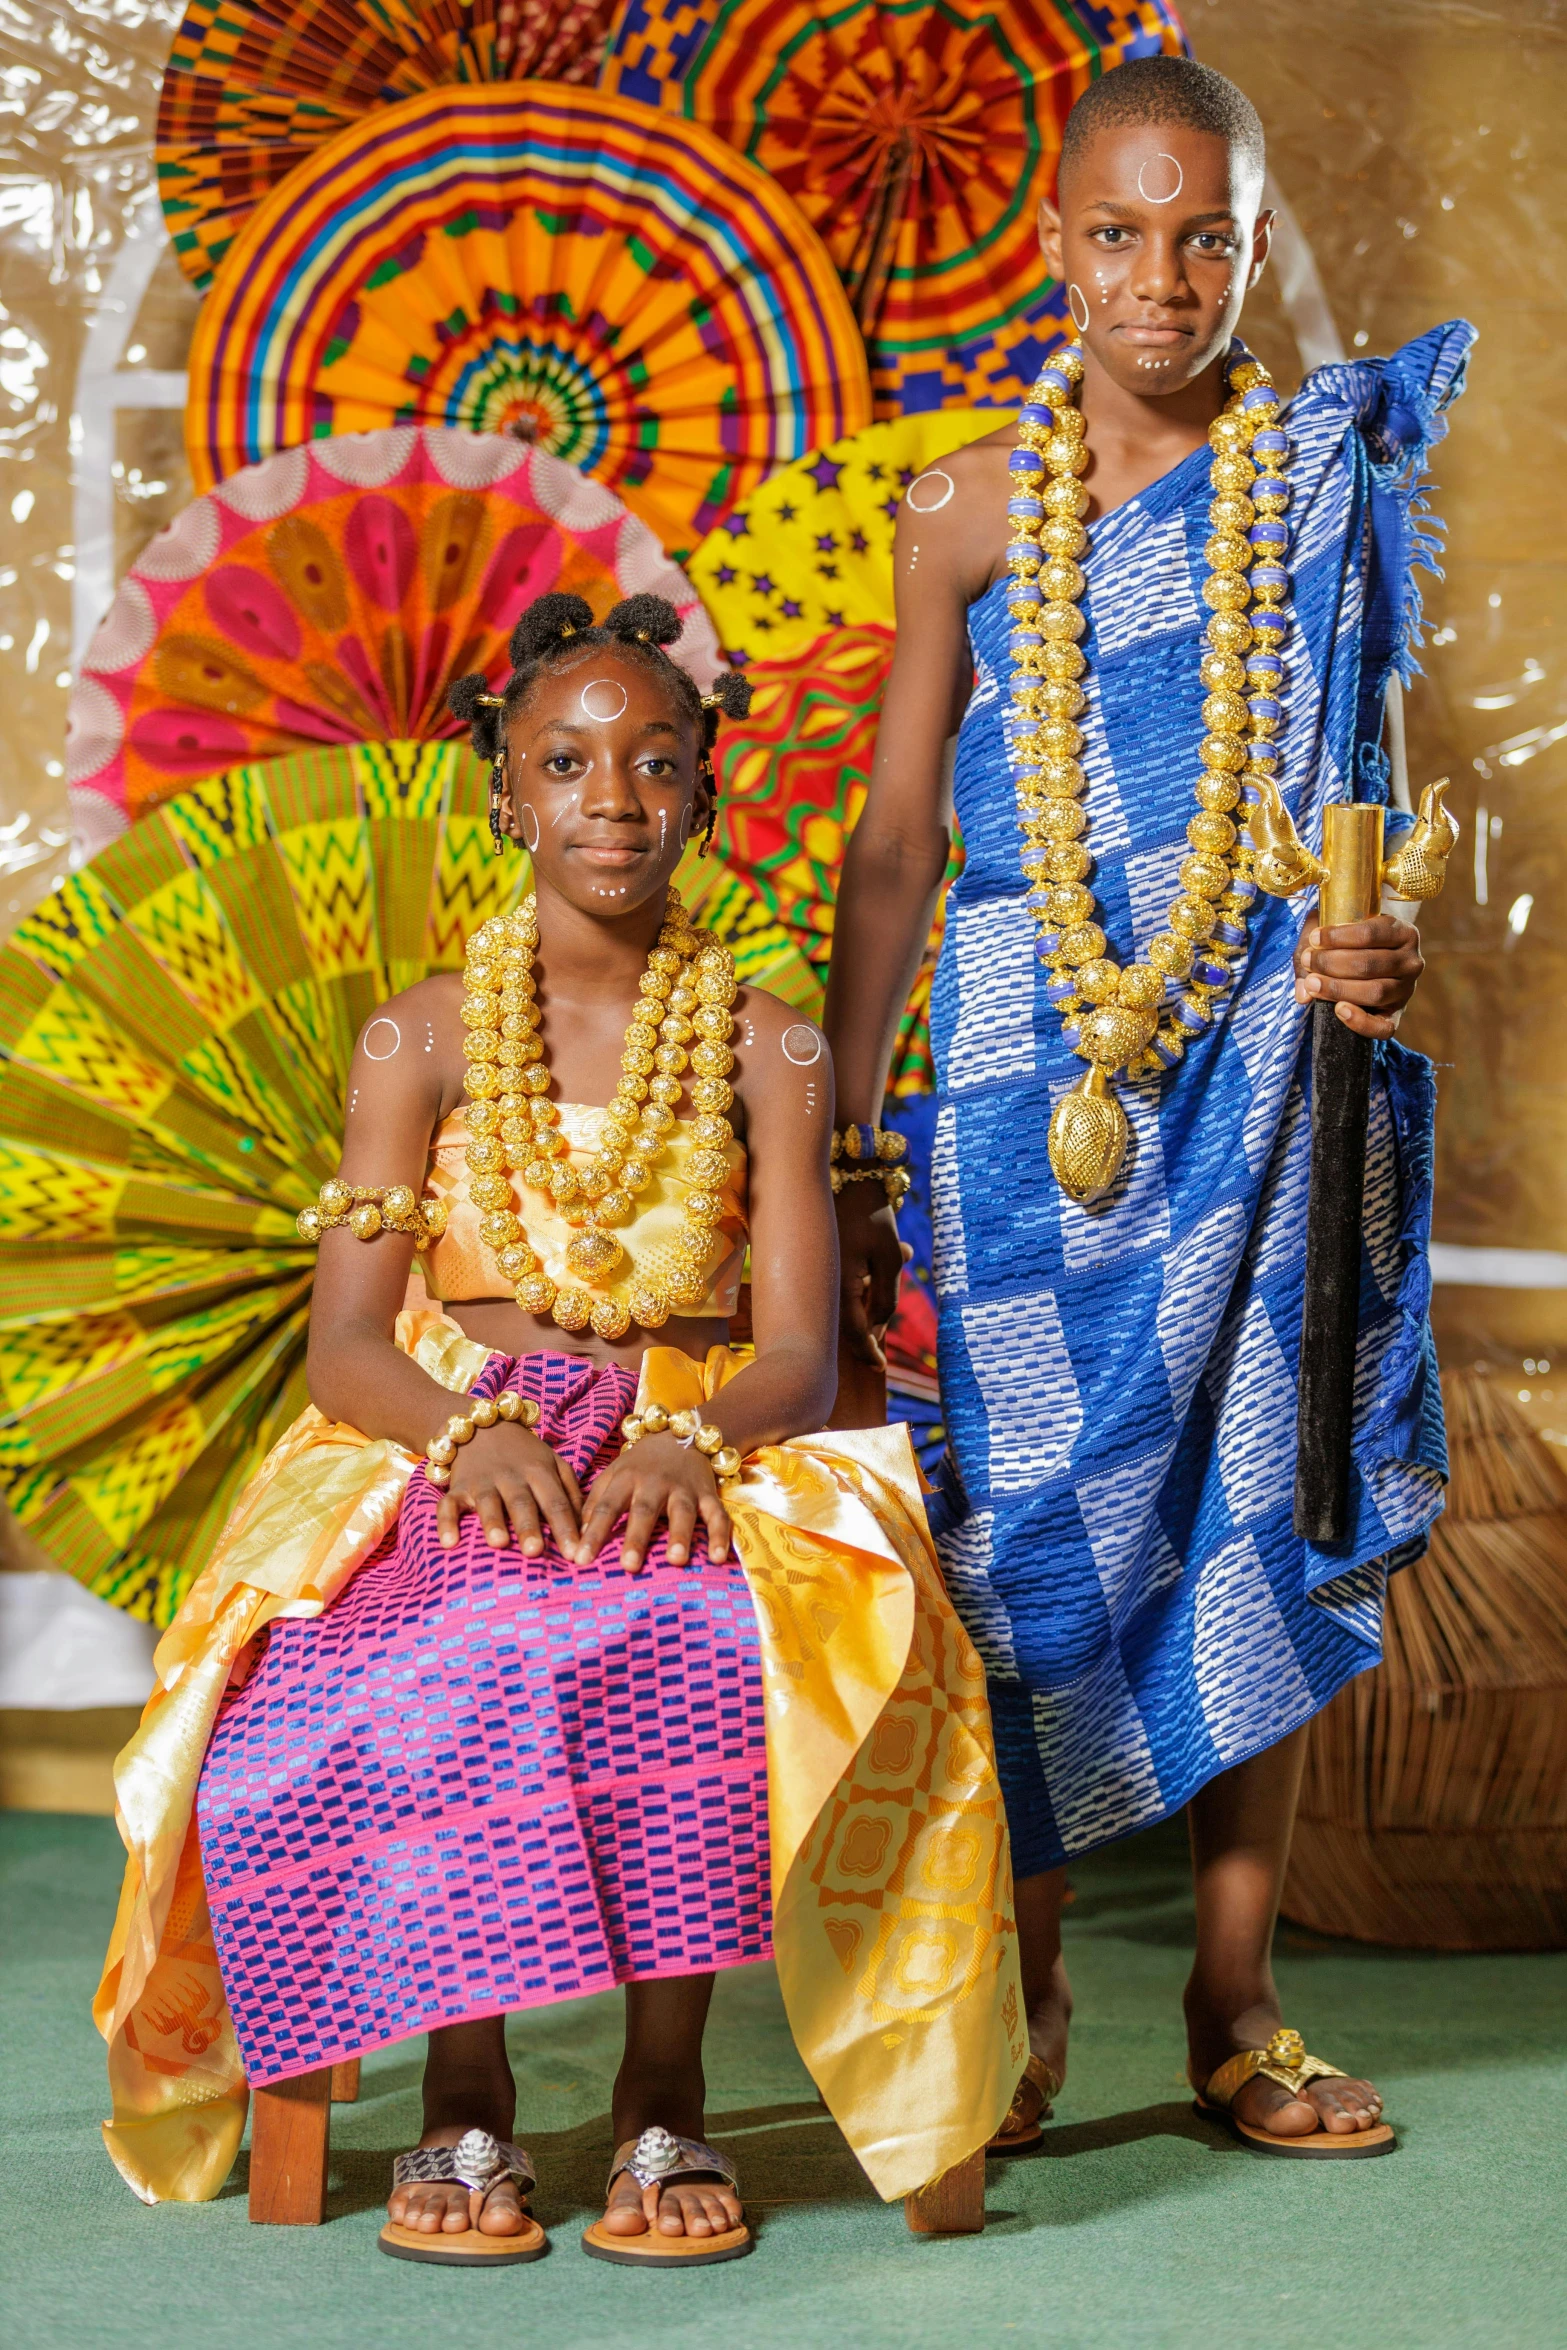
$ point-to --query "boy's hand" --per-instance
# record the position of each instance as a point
(511, 1479)
(871, 1259)
(1368, 969)
(658, 1477)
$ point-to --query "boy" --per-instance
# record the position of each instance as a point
(1118, 1373)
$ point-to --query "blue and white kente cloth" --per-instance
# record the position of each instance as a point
(1118, 1382)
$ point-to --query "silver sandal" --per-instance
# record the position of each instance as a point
(479, 2162)
(654, 2160)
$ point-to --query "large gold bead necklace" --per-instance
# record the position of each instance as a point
(682, 1018)
(1140, 1016)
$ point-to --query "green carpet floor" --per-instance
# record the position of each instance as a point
(1138, 2226)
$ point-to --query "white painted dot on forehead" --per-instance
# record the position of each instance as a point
(1077, 303)
(380, 1050)
(802, 1045)
(1162, 192)
(940, 485)
(527, 815)
(598, 701)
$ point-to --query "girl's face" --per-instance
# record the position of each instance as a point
(602, 765)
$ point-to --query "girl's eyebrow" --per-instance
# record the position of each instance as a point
(575, 726)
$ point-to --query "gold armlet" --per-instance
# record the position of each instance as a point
(463, 1427)
(367, 1210)
(896, 1182)
(865, 1144)
(686, 1428)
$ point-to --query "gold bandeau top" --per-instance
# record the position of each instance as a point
(458, 1266)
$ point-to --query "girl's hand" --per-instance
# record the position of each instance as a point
(659, 1477)
(1368, 969)
(512, 1480)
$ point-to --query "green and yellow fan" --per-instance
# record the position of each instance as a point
(176, 1024)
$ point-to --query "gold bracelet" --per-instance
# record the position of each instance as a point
(367, 1211)
(463, 1427)
(686, 1428)
(896, 1182)
(868, 1144)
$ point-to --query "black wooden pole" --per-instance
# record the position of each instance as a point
(1340, 1098)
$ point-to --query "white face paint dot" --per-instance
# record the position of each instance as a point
(604, 699)
(1167, 177)
(382, 1039)
(802, 1045)
(937, 486)
(1077, 303)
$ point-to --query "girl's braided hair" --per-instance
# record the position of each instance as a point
(554, 632)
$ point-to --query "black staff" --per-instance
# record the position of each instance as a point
(1340, 1097)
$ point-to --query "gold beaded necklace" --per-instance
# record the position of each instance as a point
(685, 994)
(1140, 1017)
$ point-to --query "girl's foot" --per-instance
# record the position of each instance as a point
(1343, 2108)
(695, 2204)
(432, 2207)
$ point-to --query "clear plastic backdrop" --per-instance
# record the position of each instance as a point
(1416, 144)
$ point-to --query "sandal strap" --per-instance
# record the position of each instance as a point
(477, 2161)
(1284, 2060)
(1036, 2075)
(657, 2156)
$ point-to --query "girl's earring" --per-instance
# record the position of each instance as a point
(497, 801)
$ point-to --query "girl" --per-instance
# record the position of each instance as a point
(522, 1754)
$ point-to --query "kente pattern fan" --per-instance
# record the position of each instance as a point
(810, 550)
(792, 778)
(917, 137)
(330, 595)
(253, 87)
(618, 288)
(176, 1023)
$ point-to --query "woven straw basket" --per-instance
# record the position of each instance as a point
(1434, 1808)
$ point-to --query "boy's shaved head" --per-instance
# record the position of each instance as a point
(1173, 90)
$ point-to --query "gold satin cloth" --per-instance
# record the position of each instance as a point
(891, 1873)
(459, 1266)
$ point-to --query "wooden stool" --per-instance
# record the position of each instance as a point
(290, 2132)
(954, 2205)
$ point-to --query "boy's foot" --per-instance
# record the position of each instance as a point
(1341, 2107)
(1049, 2023)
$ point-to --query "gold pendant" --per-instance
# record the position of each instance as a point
(593, 1254)
(1088, 1138)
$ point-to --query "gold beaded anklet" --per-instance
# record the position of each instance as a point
(463, 1427)
(686, 1427)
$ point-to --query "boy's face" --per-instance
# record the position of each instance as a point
(1158, 239)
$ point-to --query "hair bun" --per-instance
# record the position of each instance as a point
(462, 696)
(550, 622)
(732, 693)
(645, 619)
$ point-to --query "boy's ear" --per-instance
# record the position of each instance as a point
(1050, 237)
(1261, 246)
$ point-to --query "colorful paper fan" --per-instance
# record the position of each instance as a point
(331, 595)
(175, 1028)
(622, 289)
(811, 549)
(917, 139)
(792, 778)
(250, 90)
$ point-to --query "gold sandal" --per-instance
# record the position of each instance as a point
(1033, 2101)
(1285, 2060)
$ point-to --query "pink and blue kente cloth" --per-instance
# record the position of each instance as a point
(482, 1782)
(1118, 1381)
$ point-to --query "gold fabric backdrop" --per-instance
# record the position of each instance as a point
(1417, 145)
